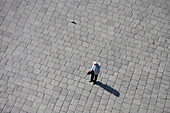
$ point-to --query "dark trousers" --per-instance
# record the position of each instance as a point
(93, 77)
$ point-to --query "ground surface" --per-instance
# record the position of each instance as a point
(44, 57)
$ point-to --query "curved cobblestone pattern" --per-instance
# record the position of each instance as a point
(44, 57)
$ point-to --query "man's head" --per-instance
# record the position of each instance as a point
(95, 63)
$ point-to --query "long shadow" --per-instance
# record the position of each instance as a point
(108, 88)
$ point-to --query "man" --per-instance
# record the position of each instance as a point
(94, 72)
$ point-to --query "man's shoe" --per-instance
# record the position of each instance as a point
(94, 83)
(90, 81)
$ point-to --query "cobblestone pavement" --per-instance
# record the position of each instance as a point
(44, 57)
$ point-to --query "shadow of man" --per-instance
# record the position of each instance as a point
(108, 88)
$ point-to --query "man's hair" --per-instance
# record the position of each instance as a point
(94, 62)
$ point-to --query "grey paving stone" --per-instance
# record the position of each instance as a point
(15, 110)
(7, 109)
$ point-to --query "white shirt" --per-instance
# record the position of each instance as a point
(96, 69)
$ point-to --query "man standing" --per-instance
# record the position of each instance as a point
(94, 72)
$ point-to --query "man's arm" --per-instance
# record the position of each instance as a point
(93, 67)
